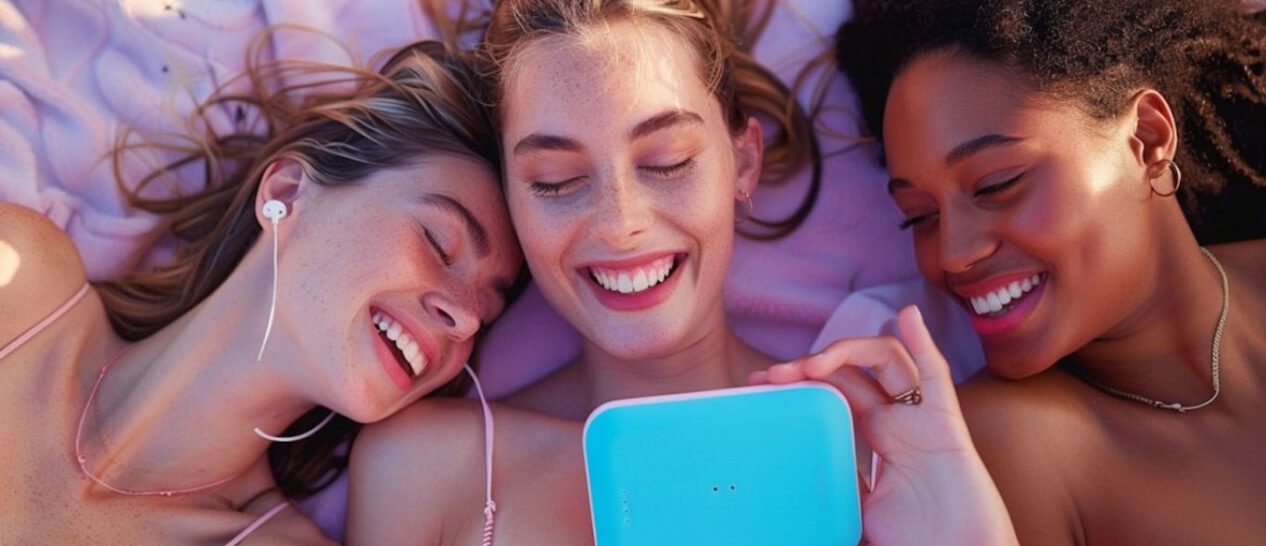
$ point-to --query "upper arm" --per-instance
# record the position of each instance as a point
(289, 528)
(40, 268)
(409, 472)
(1024, 455)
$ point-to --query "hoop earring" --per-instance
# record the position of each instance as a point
(751, 208)
(1173, 167)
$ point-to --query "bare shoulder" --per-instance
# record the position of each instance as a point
(39, 268)
(1031, 436)
(1245, 262)
(411, 474)
(289, 528)
(418, 477)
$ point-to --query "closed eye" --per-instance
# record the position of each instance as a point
(552, 188)
(439, 250)
(670, 171)
(999, 187)
(911, 222)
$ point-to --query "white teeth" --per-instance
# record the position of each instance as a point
(993, 302)
(633, 280)
(394, 331)
(639, 281)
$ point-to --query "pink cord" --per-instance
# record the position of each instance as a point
(255, 524)
(41, 325)
(490, 507)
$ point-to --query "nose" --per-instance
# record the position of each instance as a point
(454, 313)
(965, 239)
(624, 209)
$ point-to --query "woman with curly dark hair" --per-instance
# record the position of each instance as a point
(1060, 164)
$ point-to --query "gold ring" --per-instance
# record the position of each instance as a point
(911, 397)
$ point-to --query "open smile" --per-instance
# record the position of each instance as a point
(999, 307)
(634, 284)
(403, 357)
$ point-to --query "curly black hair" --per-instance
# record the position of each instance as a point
(1206, 57)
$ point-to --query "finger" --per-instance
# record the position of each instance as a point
(759, 377)
(861, 390)
(788, 372)
(884, 356)
(927, 357)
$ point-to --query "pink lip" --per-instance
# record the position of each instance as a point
(388, 359)
(1013, 318)
(637, 301)
(629, 263)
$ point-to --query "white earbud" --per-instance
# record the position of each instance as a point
(274, 210)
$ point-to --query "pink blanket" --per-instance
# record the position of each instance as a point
(73, 72)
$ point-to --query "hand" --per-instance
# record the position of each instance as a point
(931, 487)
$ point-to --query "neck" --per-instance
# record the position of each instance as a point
(177, 409)
(712, 358)
(1163, 351)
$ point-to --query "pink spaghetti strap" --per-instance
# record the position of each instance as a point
(41, 325)
(257, 523)
(490, 507)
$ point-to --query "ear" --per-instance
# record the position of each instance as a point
(749, 151)
(283, 180)
(1155, 138)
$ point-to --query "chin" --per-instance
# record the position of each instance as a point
(1015, 365)
(645, 346)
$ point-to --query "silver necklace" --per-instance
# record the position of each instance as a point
(1217, 345)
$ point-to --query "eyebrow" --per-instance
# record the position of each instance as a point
(979, 144)
(537, 141)
(960, 153)
(476, 230)
(663, 121)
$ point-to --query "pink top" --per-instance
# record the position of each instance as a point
(33, 331)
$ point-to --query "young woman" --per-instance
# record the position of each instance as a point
(1039, 149)
(372, 219)
(629, 144)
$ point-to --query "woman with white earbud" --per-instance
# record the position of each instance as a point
(129, 405)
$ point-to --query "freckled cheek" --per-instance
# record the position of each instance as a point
(545, 233)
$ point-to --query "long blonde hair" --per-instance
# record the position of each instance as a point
(340, 125)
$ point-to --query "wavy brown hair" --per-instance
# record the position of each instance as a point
(721, 33)
(1206, 57)
(340, 125)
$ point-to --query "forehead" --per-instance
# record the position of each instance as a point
(466, 180)
(603, 78)
(945, 94)
(943, 100)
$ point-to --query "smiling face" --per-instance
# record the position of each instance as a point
(1033, 214)
(622, 179)
(386, 282)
